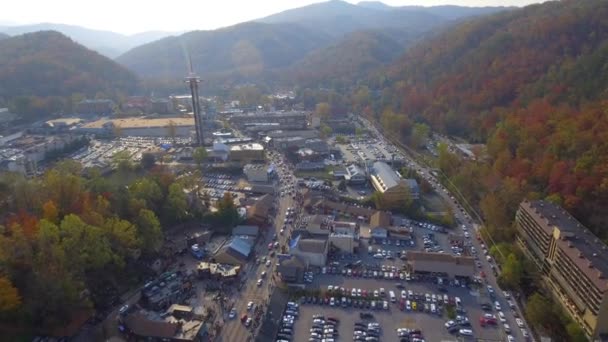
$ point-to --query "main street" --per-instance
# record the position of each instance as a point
(234, 329)
(471, 225)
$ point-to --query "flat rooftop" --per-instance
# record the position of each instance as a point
(141, 122)
(245, 147)
(579, 243)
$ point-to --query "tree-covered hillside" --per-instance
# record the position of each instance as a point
(51, 64)
(533, 84)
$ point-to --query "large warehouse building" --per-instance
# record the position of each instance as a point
(141, 127)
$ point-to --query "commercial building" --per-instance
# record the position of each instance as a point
(256, 172)
(573, 261)
(390, 184)
(141, 127)
(266, 121)
(312, 251)
(246, 231)
(443, 264)
(291, 269)
(164, 291)
(208, 270)
(380, 219)
(180, 325)
(318, 224)
(355, 175)
(258, 213)
(234, 252)
(63, 123)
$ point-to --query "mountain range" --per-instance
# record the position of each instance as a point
(279, 47)
(107, 43)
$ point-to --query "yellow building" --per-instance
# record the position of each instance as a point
(573, 261)
(393, 188)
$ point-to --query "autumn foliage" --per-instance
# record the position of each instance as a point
(532, 84)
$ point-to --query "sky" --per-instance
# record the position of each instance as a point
(133, 16)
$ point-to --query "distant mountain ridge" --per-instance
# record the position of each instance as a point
(48, 63)
(3, 36)
(284, 46)
(107, 43)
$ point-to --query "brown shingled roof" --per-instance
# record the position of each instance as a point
(140, 325)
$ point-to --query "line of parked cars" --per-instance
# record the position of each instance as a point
(409, 335)
(324, 329)
(291, 313)
(368, 332)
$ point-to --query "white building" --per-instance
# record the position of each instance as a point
(256, 172)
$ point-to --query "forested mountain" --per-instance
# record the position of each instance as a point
(533, 84)
(352, 57)
(3, 36)
(237, 52)
(337, 18)
(107, 43)
(50, 64)
(275, 49)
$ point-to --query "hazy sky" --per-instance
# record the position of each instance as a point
(132, 16)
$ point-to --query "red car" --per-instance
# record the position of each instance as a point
(243, 318)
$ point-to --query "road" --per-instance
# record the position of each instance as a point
(470, 225)
(234, 329)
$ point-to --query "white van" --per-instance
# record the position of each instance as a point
(392, 295)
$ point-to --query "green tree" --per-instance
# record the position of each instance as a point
(575, 332)
(227, 215)
(325, 131)
(176, 204)
(420, 134)
(199, 155)
(148, 161)
(149, 231)
(147, 190)
(342, 185)
(340, 139)
(122, 161)
(512, 272)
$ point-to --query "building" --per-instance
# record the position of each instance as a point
(247, 232)
(400, 233)
(573, 262)
(95, 107)
(355, 175)
(291, 269)
(380, 219)
(259, 212)
(379, 233)
(142, 127)
(390, 184)
(312, 251)
(310, 166)
(247, 153)
(164, 291)
(266, 121)
(256, 172)
(234, 252)
(318, 224)
(441, 264)
(151, 327)
(208, 270)
(63, 123)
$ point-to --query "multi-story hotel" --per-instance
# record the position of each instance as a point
(573, 262)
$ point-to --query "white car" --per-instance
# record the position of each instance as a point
(249, 305)
(510, 338)
(449, 324)
(268, 263)
(465, 332)
(502, 317)
(507, 328)
(520, 322)
(497, 306)
(524, 332)
(260, 282)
